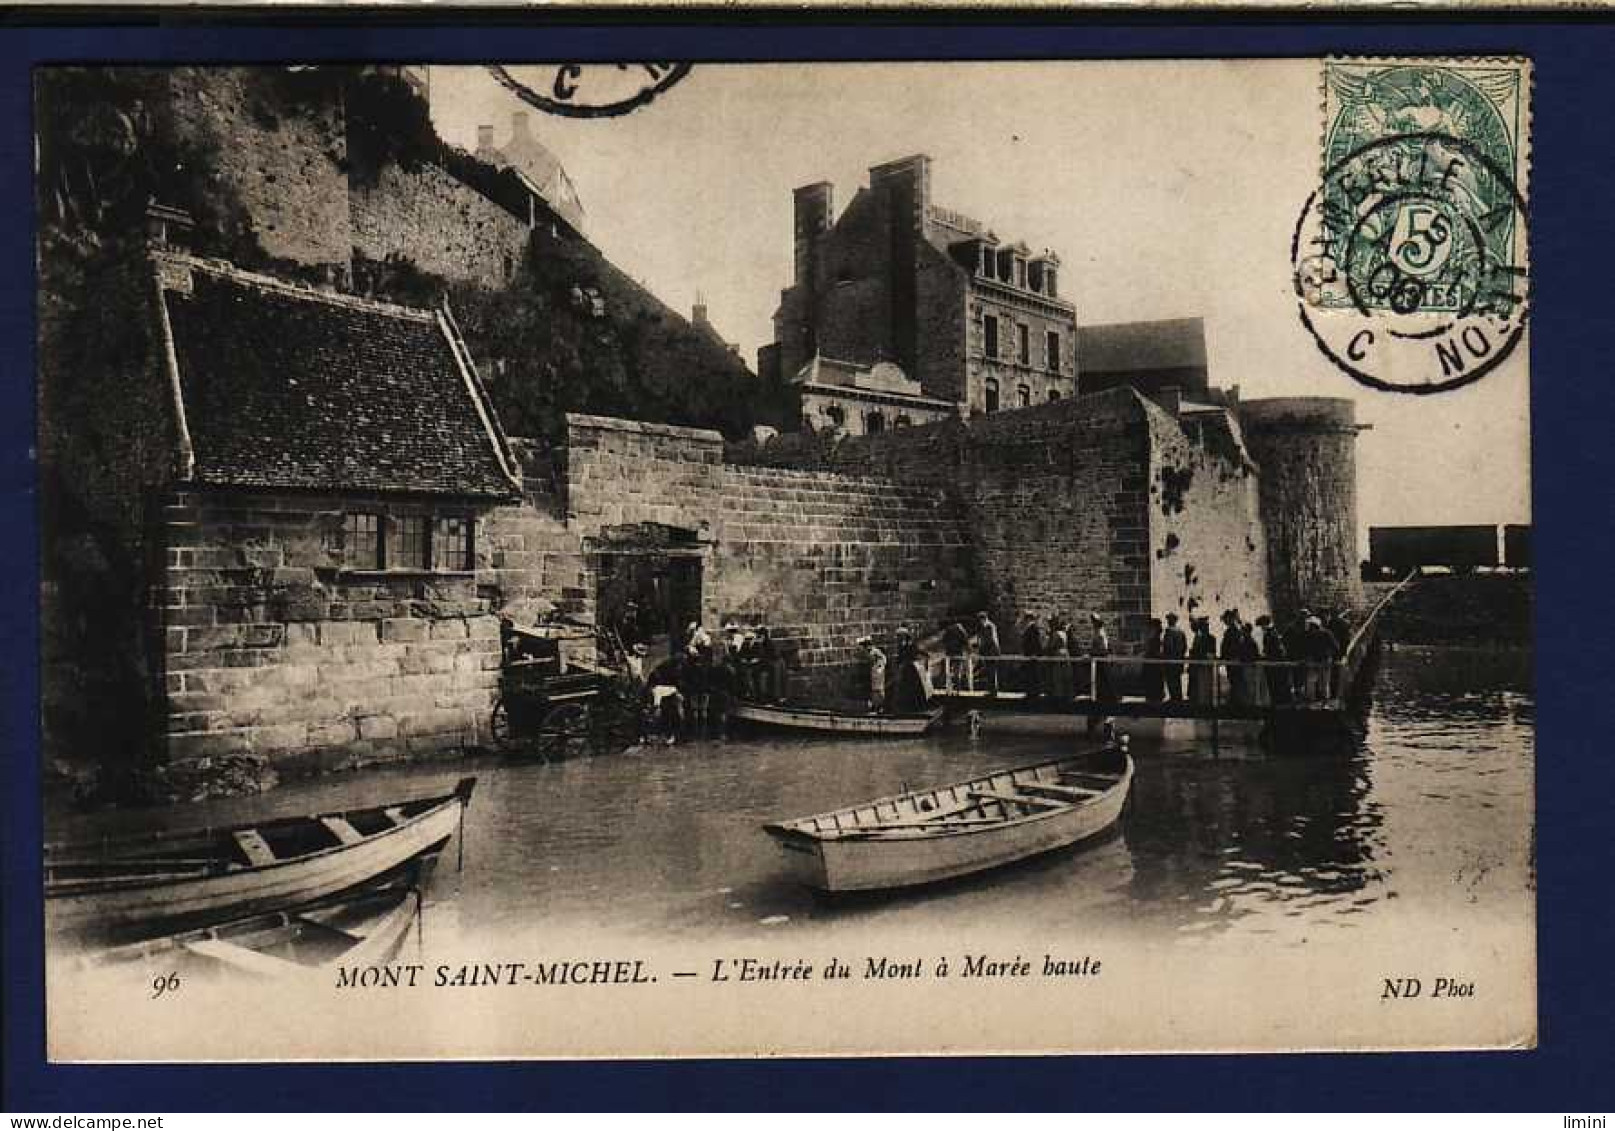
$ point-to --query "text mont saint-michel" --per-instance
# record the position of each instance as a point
(742, 970)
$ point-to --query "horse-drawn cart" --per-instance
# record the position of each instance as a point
(553, 706)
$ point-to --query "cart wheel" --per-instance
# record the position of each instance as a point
(564, 732)
(499, 723)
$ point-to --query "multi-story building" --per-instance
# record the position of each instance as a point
(976, 321)
(542, 171)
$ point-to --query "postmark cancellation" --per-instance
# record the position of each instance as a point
(1411, 257)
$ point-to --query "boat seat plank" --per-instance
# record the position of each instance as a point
(256, 848)
(1059, 792)
(1015, 799)
(343, 831)
(1088, 781)
(395, 814)
(240, 958)
(925, 826)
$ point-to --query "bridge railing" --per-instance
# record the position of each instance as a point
(1209, 682)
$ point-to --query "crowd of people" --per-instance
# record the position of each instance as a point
(1307, 647)
(690, 693)
(1264, 662)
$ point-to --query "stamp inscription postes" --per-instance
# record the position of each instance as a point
(1410, 260)
(589, 90)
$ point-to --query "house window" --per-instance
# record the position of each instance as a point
(1023, 342)
(990, 395)
(406, 542)
(1020, 272)
(989, 327)
(834, 414)
(902, 421)
(416, 541)
(1051, 285)
(1054, 395)
(452, 545)
(874, 423)
(361, 540)
(1024, 395)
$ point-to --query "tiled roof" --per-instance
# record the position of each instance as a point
(284, 386)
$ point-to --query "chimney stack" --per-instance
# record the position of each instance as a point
(484, 138)
(910, 179)
(815, 205)
(518, 125)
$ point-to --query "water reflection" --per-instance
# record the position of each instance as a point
(1432, 809)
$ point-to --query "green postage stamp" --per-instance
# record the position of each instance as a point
(1411, 258)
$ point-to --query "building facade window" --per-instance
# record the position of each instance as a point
(453, 547)
(1054, 395)
(1020, 272)
(1023, 343)
(989, 395)
(989, 330)
(1051, 348)
(361, 540)
(1024, 395)
(407, 542)
(902, 421)
(874, 423)
(415, 540)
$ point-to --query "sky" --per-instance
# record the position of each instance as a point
(1168, 188)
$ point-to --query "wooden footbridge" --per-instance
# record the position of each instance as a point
(1289, 696)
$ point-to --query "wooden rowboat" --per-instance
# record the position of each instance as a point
(794, 717)
(954, 830)
(357, 930)
(145, 886)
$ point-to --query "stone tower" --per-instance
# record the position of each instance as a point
(1306, 448)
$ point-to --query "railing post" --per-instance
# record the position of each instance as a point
(1216, 711)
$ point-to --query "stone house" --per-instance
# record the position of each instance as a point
(336, 463)
(975, 320)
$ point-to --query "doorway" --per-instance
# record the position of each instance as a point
(648, 597)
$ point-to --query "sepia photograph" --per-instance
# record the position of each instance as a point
(591, 560)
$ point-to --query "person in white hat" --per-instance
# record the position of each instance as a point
(876, 659)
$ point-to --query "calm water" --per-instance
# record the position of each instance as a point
(1432, 810)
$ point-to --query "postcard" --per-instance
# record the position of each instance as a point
(581, 560)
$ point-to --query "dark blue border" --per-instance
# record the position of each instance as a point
(1572, 409)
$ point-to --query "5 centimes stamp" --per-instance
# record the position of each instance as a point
(589, 90)
(1411, 257)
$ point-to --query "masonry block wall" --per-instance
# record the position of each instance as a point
(272, 650)
(821, 557)
(1091, 504)
(280, 147)
(1058, 499)
(1306, 448)
(437, 223)
(1207, 546)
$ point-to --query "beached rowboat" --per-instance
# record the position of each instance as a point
(954, 830)
(794, 717)
(358, 929)
(145, 886)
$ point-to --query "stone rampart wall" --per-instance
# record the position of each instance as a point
(438, 224)
(1207, 546)
(821, 557)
